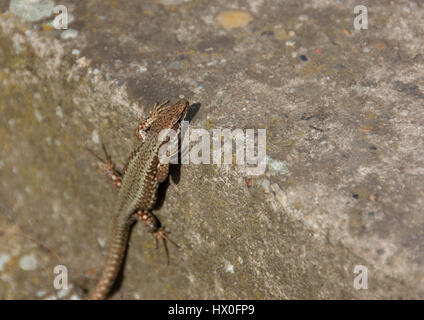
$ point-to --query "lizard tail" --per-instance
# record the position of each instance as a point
(115, 256)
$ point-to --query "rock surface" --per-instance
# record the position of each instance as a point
(343, 110)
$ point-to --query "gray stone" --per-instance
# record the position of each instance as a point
(344, 132)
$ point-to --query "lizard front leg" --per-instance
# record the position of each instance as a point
(109, 167)
(163, 171)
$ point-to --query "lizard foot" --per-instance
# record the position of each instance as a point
(162, 234)
(154, 226)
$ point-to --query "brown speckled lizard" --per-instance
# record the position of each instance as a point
(138, 186)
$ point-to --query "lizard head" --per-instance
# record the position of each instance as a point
(163, 117)
(170, 117)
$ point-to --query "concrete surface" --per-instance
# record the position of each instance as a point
(344, 113)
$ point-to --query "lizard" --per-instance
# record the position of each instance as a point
(138, 186)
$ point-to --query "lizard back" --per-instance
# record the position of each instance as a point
(139, 183)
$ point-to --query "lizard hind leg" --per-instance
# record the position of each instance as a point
(154, 226)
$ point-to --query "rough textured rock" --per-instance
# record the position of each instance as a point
(344, 116)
